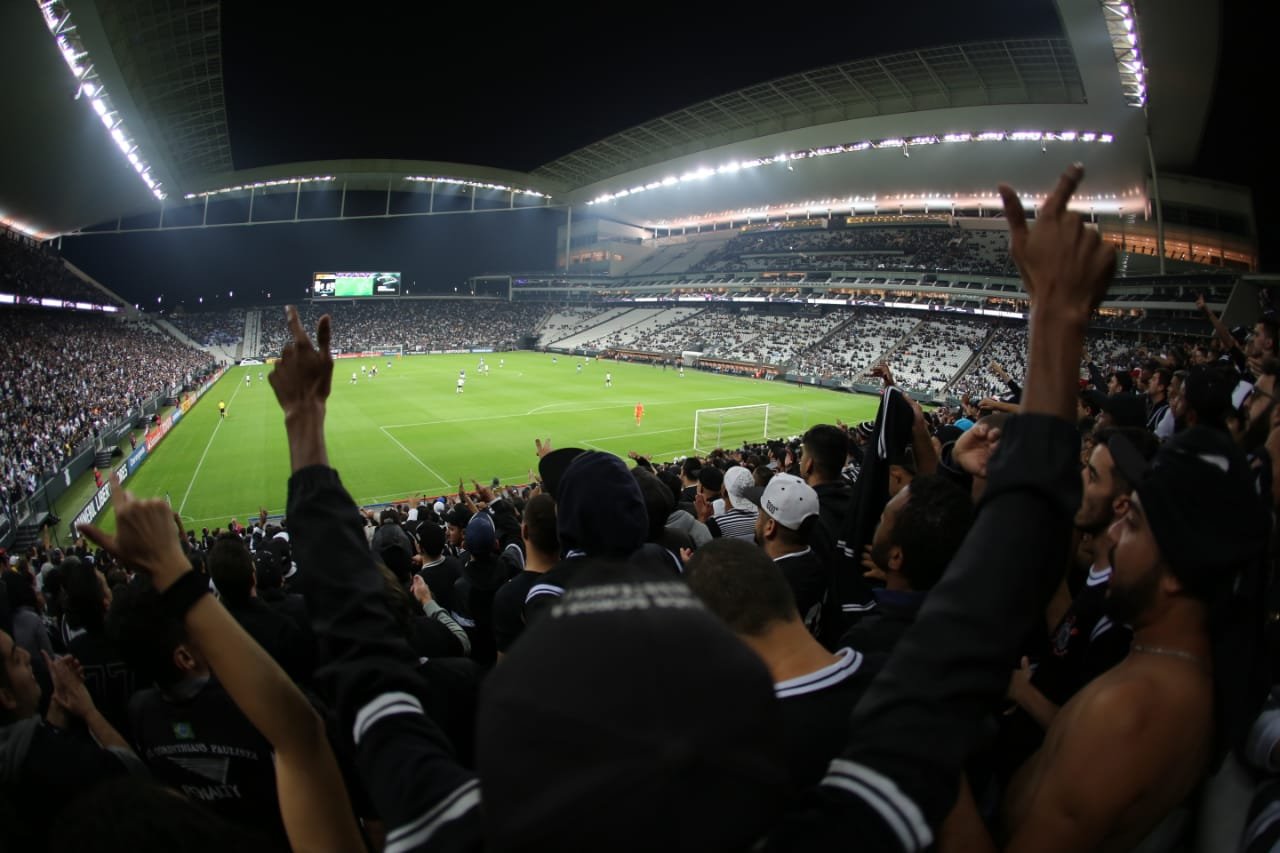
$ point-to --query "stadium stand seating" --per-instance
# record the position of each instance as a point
(211, 328)
(69, 375)
(29, 271)
(418, 325)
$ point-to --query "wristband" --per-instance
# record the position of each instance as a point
(183, 593)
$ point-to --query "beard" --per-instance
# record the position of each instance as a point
(1125, 603)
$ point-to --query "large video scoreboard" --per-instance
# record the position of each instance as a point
(348, 285)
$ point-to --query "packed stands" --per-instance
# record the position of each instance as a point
(211, 328)
(1007, 348)
(66, 376)
(26, 270)
(935, 247)
(419, 325)
(857, 346)
(936, 351)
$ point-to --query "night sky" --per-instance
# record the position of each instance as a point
(396, 83)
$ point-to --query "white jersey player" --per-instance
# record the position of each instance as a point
(462, 380)
(353, 377)
(608, 380)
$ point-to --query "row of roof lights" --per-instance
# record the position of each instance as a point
(1123, 30)
(258, 185)
(901, 143)
(888, 202)
(479, 185)
(280, 182)
(58, 19)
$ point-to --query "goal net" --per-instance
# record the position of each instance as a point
(731, 426)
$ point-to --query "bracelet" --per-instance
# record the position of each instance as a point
(183, 594)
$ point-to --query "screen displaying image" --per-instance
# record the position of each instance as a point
(348, 285)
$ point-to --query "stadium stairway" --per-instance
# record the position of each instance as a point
(901, 342)
(968, 365)
(251, 340)
(591, 332)
(28, 533)
(166, 326)
(822, 342)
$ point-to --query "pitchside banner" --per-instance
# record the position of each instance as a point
(135, 460)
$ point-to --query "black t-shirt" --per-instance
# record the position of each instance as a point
(109, 679)
(440, 578)
(815, 715)
(279, 636)
(204, 747)
(508, 608)
(807, 577)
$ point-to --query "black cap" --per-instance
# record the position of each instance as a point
(701, 745)
(552, 467)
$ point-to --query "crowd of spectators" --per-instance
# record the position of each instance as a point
(28, 270)
(1033, 623)
(936, 351)
(66, 376)
(859, 345)
(1006, 348)
(418, 325)
(926, 248)
(223, 328)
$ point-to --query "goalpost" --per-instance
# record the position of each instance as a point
(731, 426)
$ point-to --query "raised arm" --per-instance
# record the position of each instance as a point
(368, 672)
(1224, 334)
(913, 730)
(313, 799)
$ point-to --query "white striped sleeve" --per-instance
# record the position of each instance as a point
(386, 705)
(414, 835)
(899, 812)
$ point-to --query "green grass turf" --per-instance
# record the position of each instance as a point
(407, 433)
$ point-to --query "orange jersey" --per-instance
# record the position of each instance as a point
(639, 410)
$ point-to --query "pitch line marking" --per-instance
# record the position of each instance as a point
(627, 406)
(414, 457)
(208, 444)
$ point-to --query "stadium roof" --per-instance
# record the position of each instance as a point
(161, 63)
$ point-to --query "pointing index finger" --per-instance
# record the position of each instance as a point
(1013, 212)
(295, 326)
(1067, 184)
(323, 329)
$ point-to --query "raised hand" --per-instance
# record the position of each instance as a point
(145, 536)
(304, 375)
(972, 451)
(420, 590)
(542, 447)
(69, 691)
(1065, 267)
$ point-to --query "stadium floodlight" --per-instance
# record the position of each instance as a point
(57, 18)
(957, 137)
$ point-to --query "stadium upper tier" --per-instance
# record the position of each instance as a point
(926, 247)
(37, 272)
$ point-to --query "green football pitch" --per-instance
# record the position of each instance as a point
(407, 433)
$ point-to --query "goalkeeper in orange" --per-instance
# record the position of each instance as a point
(639, 413)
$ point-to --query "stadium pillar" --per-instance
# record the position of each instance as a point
(568, 237)
(297, 200)
(1155, 189)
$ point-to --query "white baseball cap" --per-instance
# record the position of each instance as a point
(786, 499)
